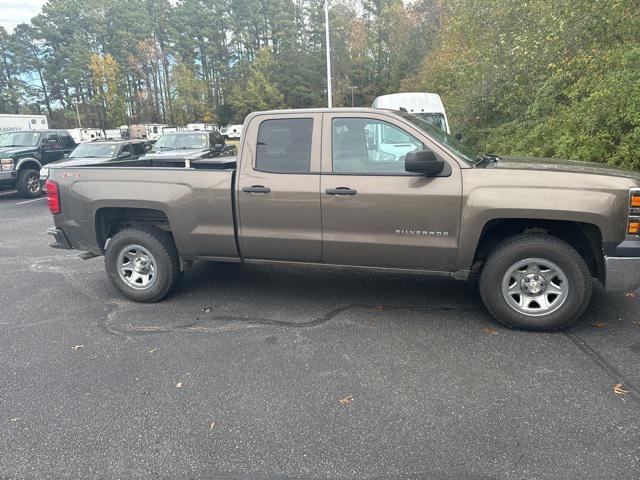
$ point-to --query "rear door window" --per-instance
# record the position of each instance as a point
(51, 139)
(284, 146)
(67, 141)
(138, 148)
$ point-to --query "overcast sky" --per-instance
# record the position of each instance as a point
(13, 12)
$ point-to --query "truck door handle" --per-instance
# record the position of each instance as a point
(340, 191)
(256, 189)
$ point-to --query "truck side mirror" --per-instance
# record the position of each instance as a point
(124, 155)
(423, 161)
(66, 155)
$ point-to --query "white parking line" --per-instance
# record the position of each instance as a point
(29, 201)
(10, 192)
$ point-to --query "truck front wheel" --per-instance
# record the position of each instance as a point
(535, 282)
(28, 183)
(143, 263)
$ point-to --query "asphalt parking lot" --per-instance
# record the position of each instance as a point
(240, 375)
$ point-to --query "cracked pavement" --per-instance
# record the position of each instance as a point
(262, 355)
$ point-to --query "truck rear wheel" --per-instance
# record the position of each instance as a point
(143, 263)
(535, 282)
(28, 183)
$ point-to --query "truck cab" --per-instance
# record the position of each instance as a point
(24, 152)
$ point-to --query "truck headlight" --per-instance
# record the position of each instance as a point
(6, 163)
(44, 173)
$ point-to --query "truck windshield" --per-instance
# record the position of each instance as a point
(449, 141)
(20, 139)
(95, 150)
(182, 141)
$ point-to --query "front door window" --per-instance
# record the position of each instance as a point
(363, 145)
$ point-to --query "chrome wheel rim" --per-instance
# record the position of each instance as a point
(137, 267)
(33, 183)
(535, 287)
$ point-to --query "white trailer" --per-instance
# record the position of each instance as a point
(231, 131)
(154, 130)
(83, 135)
(113, 134)
(207, 127)
(10, 122)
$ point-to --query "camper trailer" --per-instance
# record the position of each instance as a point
(83, 135)
(231, 131)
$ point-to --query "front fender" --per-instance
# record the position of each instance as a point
(603, 207)
(25, 160)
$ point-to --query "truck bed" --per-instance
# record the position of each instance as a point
(216, 163)
(197, 202)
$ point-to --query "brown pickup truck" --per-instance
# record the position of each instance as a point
(367, 189)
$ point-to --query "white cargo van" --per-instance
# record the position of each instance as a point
(427, 106)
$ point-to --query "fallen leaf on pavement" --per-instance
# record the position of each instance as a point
(15, 419)
(636, 323)
(346, 400)
(211, 425)
(152, 350)
(179, 385)
(77, 347)
(630, 294)
(618, 389)
(489, 331)
(599, 325)
(379, 308)
(206, 309)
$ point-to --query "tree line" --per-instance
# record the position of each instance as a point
(541, 77)
(211, 61)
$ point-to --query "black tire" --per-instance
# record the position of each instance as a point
(28, 183)
(526, 246)
(165, 255)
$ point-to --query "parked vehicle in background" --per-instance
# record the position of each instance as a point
(207, 127)
(99, 152)
(312, 187)
(115, 134)
(9, 122)
(231, 132)
(427, 106)
(23, 153)
(190, 146)
(151, 131)
(82, 135)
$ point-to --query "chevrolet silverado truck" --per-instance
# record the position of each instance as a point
(365, 189)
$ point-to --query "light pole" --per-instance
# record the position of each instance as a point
(328, 49)
(77, 113)
(352, 89)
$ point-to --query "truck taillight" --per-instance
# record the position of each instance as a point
(634, 226)
(53, 197)
(634, 201)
